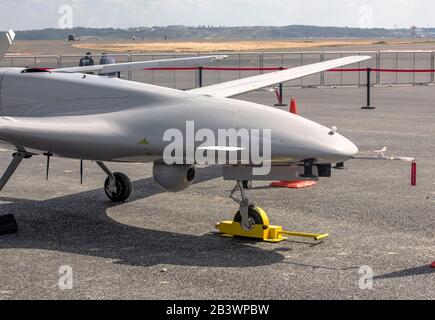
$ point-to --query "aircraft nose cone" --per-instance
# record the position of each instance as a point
(344, 148)
(347, 147)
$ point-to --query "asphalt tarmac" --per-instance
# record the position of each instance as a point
(164, 246)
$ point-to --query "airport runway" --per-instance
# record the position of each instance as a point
(164, 246)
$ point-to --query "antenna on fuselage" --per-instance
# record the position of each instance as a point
(48, 155)
(81, 171)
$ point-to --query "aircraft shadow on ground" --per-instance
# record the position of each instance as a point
(407, 272)
(78, 224)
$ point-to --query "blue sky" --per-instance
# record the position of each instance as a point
(37, 14)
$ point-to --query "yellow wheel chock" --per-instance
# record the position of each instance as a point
(264, 231)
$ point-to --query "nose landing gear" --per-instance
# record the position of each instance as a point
(248, 216)
(251, 221)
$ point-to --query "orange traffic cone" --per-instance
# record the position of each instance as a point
(293, 107)
(294, 184)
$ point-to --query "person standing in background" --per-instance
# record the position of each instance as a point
(87, 60)
(105, 59)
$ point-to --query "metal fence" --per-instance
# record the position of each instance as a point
(412, 61)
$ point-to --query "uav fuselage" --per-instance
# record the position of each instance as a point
(98, 118)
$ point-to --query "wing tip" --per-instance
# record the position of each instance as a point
(220, 57)
(365, 57)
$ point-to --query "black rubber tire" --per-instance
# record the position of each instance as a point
(253, 213)
(123, 186)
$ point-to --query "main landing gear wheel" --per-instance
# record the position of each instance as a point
(256, 216)
(122, 189)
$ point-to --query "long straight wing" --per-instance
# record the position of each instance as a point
(236, 87)
(127, 66)
(6, 40)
